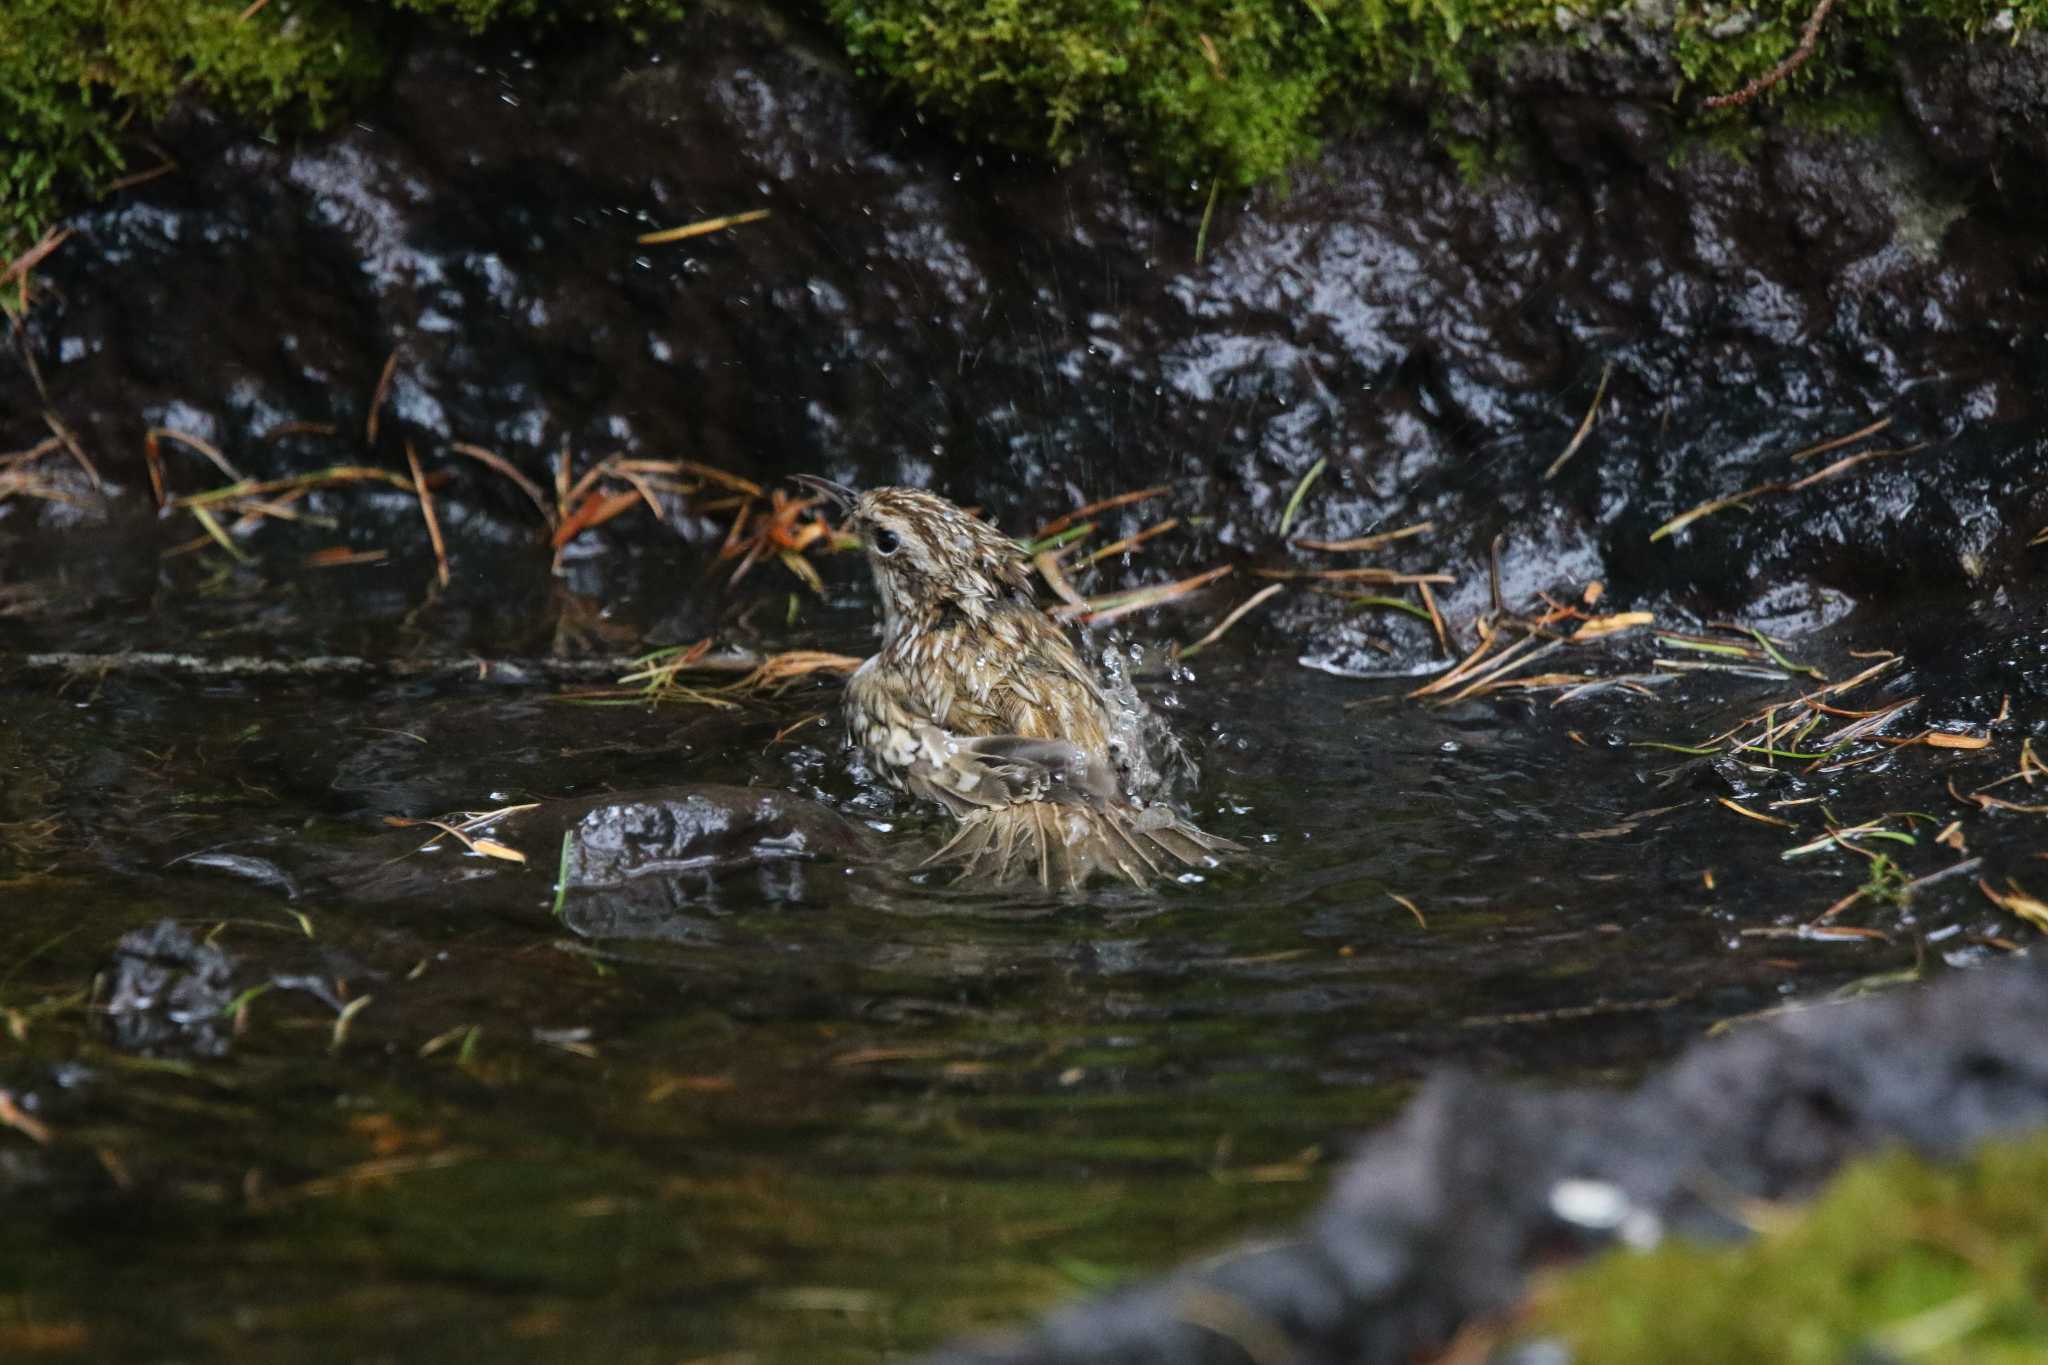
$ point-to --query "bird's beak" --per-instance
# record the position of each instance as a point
(838, 492)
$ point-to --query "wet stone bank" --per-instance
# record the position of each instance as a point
(1028, 338)
(710, 1073)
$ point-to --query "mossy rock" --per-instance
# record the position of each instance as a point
(1898, 1260)
(80, 79)
(1238, 91)
(1196, 92)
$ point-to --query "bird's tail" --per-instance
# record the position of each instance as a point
(1063, 844)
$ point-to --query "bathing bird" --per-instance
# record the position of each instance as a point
(979, 701)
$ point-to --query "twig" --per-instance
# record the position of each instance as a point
(34, 256)
(1807, 40)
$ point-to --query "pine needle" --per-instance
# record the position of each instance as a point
(702, 227)
(1315, 472)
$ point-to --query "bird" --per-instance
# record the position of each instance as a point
(979, 701)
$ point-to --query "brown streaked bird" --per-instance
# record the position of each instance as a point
(978, 701)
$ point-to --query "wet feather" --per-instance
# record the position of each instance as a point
(979, 702)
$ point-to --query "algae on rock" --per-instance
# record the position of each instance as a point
(1205, 91)
(1898, 1259)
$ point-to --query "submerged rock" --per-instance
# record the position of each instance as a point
(661, 863)
(169, 992)
(704, 828)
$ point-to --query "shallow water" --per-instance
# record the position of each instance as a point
(813, 1109)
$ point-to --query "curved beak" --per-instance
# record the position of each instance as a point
(838, 492)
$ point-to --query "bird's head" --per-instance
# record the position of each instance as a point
(929, 556)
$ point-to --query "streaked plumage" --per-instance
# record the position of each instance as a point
(979, 702)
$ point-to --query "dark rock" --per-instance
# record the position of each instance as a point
(700, 828)
(1439, 1218)
(661, 863)
(1024, 337)
(169, 992)
(1984, 112)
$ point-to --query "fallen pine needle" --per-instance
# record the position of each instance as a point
(1436, 618)
(333, 474)
(1061, 523)
(1368, 574)
(1129, 543)
(1705, 509)
(1233, 618)
(1602, 626)
(815, 718)
(1364, 599)
(199, 444)
(419, 487)
(21, 1121)
(492, 460)
(1371, 542)
(491, 848)
(1685, 519)
(220, 536)
(345, 1018)
(340, 556)
(1055, 578)
(1850, 462)
(1585, 426)
(2014, 901)
(1315, 471)
(1409, 906)
(1764, 643)
(1838, 442)
(378, 395)
(1119, 605)
(1755, 815)
(702, 227)
(77, 451)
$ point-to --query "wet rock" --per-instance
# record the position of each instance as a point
(1982, 113)
(708, 827)
(1025, 337)
(1439, 1218)
(169, 993)
(663, 863)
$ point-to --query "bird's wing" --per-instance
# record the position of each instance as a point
(969, 772)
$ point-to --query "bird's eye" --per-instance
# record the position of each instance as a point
(885, 542)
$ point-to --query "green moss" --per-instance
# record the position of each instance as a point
(75, 73)
(1239, 90)
(477, 15)
(1197, 92)
(79, 79)
(1897, 1260)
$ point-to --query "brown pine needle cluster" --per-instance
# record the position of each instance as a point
(686, 674)
(776, 528)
